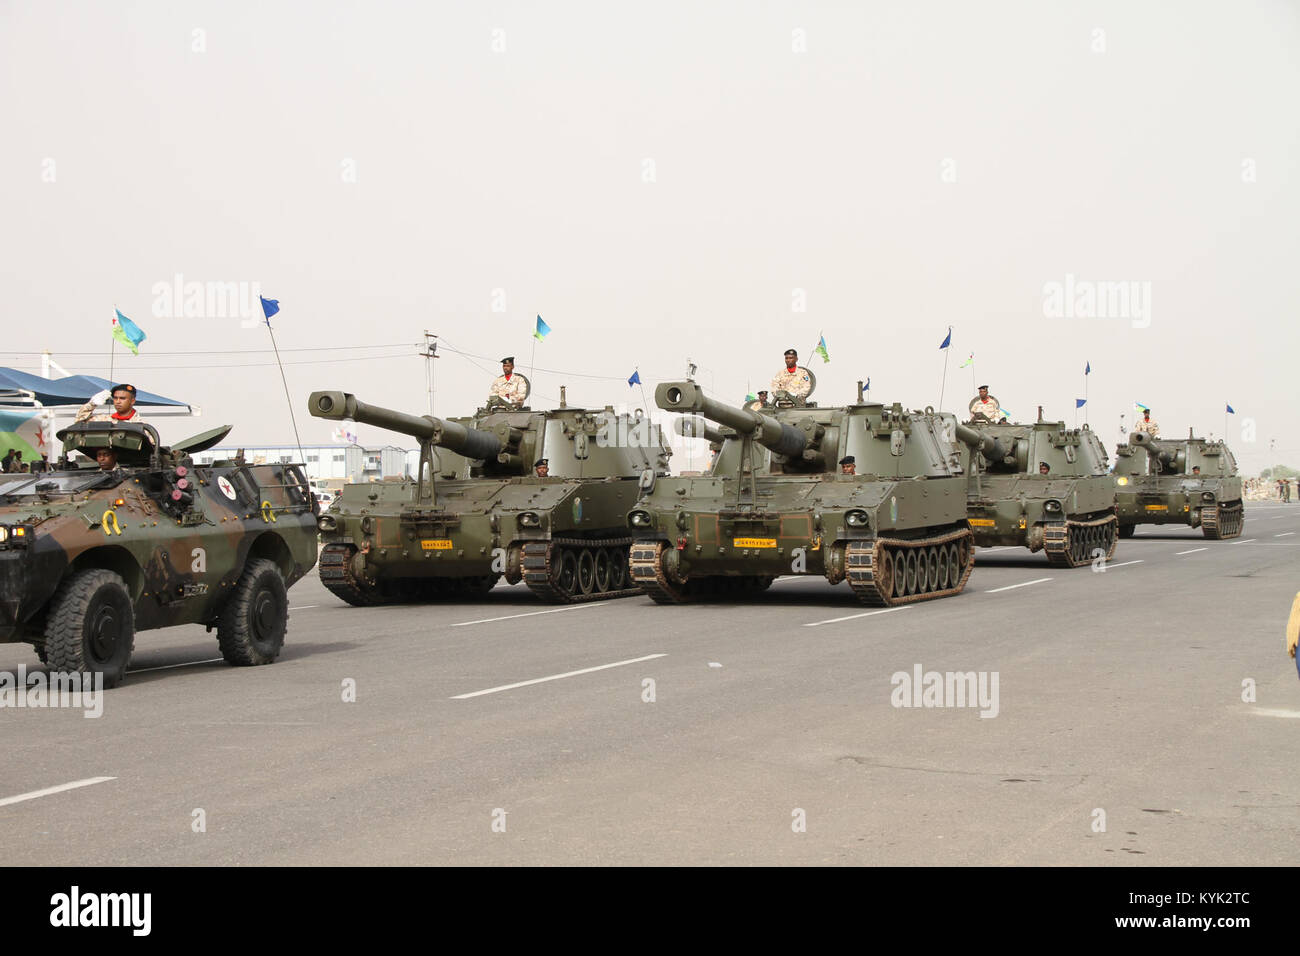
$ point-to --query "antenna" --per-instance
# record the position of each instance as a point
(430, 353)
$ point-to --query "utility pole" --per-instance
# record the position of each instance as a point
(430, 353)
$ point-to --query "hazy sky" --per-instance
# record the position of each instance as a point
(661, 182)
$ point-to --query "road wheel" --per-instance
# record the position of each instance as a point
(586, 571)
(251, 627)
(566, 572)
(91, 626)
(618, 569)
(602, 570)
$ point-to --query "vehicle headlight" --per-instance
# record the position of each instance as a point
(856, 518)
(1052, 506)
(640, 519)
(1121, 480)
(529, 519)
(1207, 496)
(327, 523)
(4, 534)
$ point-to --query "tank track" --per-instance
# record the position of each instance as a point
(873, 566)
(1071, 543)
(335, 569)
(647, 569)
(1219, 522)
(542, 572)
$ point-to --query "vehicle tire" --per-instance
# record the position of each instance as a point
(40, 652)
(251, 626)
(1126, 530)
(91, 626)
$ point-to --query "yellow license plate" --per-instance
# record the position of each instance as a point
(1157, 507)
(436, 544)
(982, 522)
(753, 542)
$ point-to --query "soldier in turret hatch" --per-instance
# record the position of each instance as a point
(848, 465)
(984, 408)
(758, 404)
(542, 468)
(1044, 468)
(508, 386)
(124, 409)
(1147, 425)
(794, 381)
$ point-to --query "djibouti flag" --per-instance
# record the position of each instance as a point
(127, 332)
(542, 330)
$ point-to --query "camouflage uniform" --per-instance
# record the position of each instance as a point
(512, 389)
(86, 413)
(796, 382)
(1149, 426)
(986, 410)
(754, 406)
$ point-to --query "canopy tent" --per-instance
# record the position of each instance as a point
(16, 387)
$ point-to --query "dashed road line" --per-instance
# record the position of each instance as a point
(543, 680)
(167, 667)
(1022, 584)
(1193, 551)
(76, 784)
(853, 617)
(511, 617)
(1122, 564)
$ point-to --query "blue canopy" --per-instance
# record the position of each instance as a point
(73, 390)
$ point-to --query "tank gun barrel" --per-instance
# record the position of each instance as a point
(470, 442)
(766, 430)
(1153, 448)
(986, 445)
(691, 427)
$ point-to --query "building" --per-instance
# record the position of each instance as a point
(335, 464)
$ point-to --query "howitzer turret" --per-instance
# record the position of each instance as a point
(1160, 453)
(774, 435)
(469, 442)
(986, 445)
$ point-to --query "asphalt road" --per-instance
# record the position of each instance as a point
(1119, 692)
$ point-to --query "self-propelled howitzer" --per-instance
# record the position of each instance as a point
(775, 502)
(1191, 481)
(1041, 486)
(477, 510)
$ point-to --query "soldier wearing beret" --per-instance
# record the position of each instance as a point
(508, 386)
(1147, 424)
(1044, 468)
(759, 403)
(542, 468)
(794, 381)
(124, 409)
(984, 408)
(848, 465)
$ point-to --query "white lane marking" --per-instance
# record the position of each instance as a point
(1121, 564)
(543, 680)
(1275, 712)
(511, 617)
(89, 781)
(304, 607)
(1022, 584)
(167, 667)
(1247, 541)
(1284, 534)
(1193, 551)
(1001, 547)
(853, 617)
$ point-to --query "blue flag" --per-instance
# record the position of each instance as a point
(542, 330)
(947, 341)
(269, 308)
(1230, 411)
(1087, 368)
(634, 380)
(127, 332)
(868, 383)
(1080, 402)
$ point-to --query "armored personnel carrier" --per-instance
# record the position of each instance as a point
(1189, 481)
(477, 511)
(775, 503)
(1041, 486)
(91, 553)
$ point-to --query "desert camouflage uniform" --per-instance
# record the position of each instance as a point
(987, 410)
(1150, 427)
(796, 382)
(511, 390)
(86, 413)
